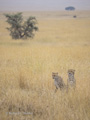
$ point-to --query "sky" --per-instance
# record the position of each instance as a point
(42, 5)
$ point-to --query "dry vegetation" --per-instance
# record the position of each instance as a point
(26, 84)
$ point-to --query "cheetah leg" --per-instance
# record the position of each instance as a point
(56, 89)
(74, 87)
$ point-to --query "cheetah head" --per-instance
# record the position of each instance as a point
(71, 72)
(54, 75)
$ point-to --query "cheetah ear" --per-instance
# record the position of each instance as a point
(57, 73)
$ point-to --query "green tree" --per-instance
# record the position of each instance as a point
(20, 29)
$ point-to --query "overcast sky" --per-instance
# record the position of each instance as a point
(38, 5)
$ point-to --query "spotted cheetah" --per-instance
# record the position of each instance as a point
(58, 81)
(71, 82)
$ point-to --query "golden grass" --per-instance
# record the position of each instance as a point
(26, 84)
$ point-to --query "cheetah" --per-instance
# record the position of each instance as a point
(58, 81)
(71, 82)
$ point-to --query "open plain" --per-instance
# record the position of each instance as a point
(26, 66)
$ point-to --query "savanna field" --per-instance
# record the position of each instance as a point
(27, 90)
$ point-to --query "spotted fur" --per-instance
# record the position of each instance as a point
(71, 82)
(58, 81)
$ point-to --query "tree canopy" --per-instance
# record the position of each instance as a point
(70, 8)
(20, 29)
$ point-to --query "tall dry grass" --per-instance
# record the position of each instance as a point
(26, 84)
